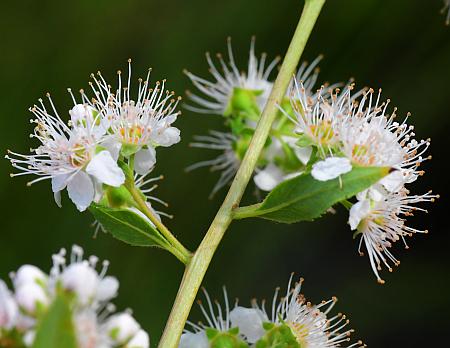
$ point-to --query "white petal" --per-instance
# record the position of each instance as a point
(140, 340)
(303, 153)
(9, 310)
(28, 338)
(331, 168)
(194, 340)
(275, 149)
(27, 274)
(358, 212)
(78, 112)
(57, 197)
(360, 196)
(377, 193)
(167, 136)
(29, 295)
(103, 167)
(81, 190)
(59, 182)
(87, 328)
(107, 288)
(268, 178)
(249, 321)
(113, 146)
(394, 181)
(122, 326)
(98, 188)
(144, 160)
(82, 280)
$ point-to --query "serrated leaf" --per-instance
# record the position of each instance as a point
(56, 327)
(304, 198)
(128, 226)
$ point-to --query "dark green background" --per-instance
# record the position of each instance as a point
(402, 46)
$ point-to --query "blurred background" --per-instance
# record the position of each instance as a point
(402, 46)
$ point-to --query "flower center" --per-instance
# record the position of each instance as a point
(300, 332)
(323, 132)
(79, 156)
(132, 134)
(362, 155)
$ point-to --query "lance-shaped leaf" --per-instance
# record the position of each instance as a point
(304, 198)
(56, 329)
(128, 226)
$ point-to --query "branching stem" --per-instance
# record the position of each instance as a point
(198, 265)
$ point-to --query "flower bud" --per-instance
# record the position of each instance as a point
(28, 274)
(107, 288)
(249, 321)
(140, 340)
(8, 308)
(29, 295)
(121, 327)
(82, 280)
(194, 340)
(28, 338)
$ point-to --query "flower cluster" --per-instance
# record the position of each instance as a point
(240, 97)
(89, 292)
(291, 322)
(85, 153)
(342, 131)
(324, 132)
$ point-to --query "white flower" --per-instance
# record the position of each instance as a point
(227, 162)
(330, 168)
(95, 326)
(218, 92)
(249, 321)
(82, 280)
(309, 323)
(121, 327)
(316, 118)
(29, 296)
(216, 318)
(27, 274)
(8, 308)
(137, 125)
(81, 277)
(381, 222)
(358, 212)
(139, 340)
(87, 329)
(194, 340)
(69, 156)
(269, 177)
(370, 137)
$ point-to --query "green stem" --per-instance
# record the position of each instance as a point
(197, 267)
(181, 253)
(245, 212)
(178, 254)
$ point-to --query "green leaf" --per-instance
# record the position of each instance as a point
(56, 328)
(304, 198)
(127, 226)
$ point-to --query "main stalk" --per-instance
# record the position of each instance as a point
(198, 265)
